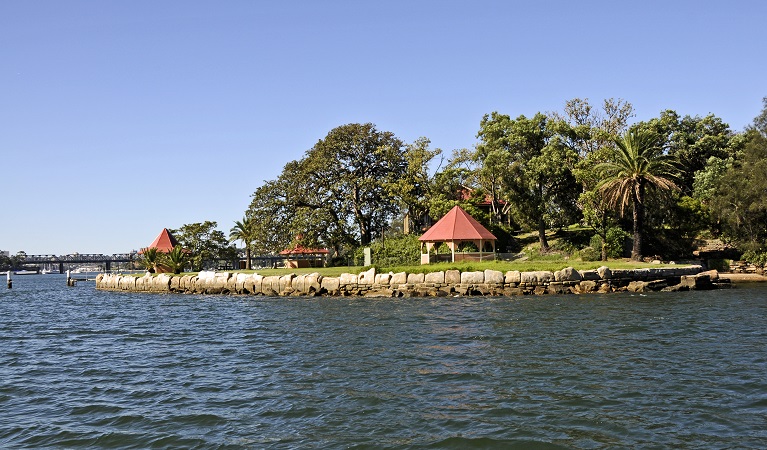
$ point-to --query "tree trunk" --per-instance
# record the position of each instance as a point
(636, 251)
(247, 258)
(542, 236)
(604, 247)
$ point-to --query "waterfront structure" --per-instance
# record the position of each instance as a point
(301, 257)
(456, 227)
(164, 242)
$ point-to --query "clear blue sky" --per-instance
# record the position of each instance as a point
(120, 118)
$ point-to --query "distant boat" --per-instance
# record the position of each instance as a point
(48, 271)
(26, 272)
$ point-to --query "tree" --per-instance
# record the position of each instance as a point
(342, 193)
(243, 230)
(176, 259)
(415, 187)
(638, 163)
(692, 141)
(150, 257)
(738, 197)
(591, 132)
(536, 168)
(205, 243)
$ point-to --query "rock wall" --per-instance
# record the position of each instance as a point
(435, 284)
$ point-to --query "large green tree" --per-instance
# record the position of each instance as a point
(637, 164)
(536, 170)
(342, 193)
(591, 133)
(206, 244)
(738, 189)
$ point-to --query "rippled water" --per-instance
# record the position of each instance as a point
(86, 369)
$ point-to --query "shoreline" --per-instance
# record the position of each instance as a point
(433, 284)
(744, 277)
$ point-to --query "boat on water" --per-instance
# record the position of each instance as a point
(26, 272)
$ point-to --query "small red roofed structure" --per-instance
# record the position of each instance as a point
(455, 227)
(300, 257)
(164, 242)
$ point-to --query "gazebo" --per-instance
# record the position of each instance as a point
(455, 227)
(164, 242)
(301, 257)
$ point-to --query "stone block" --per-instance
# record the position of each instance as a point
(331, 285)
(567, 274)
(452, 276)
(384, 279)
(493, 276)
(472, 277)
(435, 278)
(590, 275)
(415, 278)
(512, 277)
(605, 273)
(347, 278)
(398, 278)
(368, 277)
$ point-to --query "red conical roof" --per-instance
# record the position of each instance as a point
(164, 241)
(457, 225)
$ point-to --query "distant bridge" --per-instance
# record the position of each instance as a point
(78, 258)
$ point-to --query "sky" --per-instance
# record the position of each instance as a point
(121, 118)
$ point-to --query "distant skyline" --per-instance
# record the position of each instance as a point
(119, 119)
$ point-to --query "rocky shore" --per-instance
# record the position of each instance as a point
(434, 284)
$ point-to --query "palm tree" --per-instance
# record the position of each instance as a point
(243, 231)
(176, 259)
(149, 258)
(637, 163)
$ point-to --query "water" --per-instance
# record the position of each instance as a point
(86, 369)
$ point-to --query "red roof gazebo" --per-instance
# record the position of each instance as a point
(455, 227)
(164, 242)
(300, 257)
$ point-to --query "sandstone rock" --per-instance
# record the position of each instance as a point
(452, 276)
(472, 277)
(605, 273)
(513, 277)
(567, 274)
(435, 278)
(383, 279)
(398, 278)
(591, 275)
(368, 277)
(415, 278)
(347, 278)
(331, 285)
(493, 276)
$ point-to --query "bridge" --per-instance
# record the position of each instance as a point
(77, 258)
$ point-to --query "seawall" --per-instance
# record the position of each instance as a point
(434, 284)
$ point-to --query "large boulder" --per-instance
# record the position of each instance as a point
(472, 277)
(493, 276)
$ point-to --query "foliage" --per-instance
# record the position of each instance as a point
(396, 250)
(243, 230)
(738, 202)
(638, 163)
(755, 257)
(342, 193)
(150, 257)
(530, 167)
(206, 244)
(416, 186)
(176, 259)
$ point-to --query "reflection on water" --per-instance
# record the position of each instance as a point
(84, 368)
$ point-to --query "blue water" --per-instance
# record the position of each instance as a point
(80, 368)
